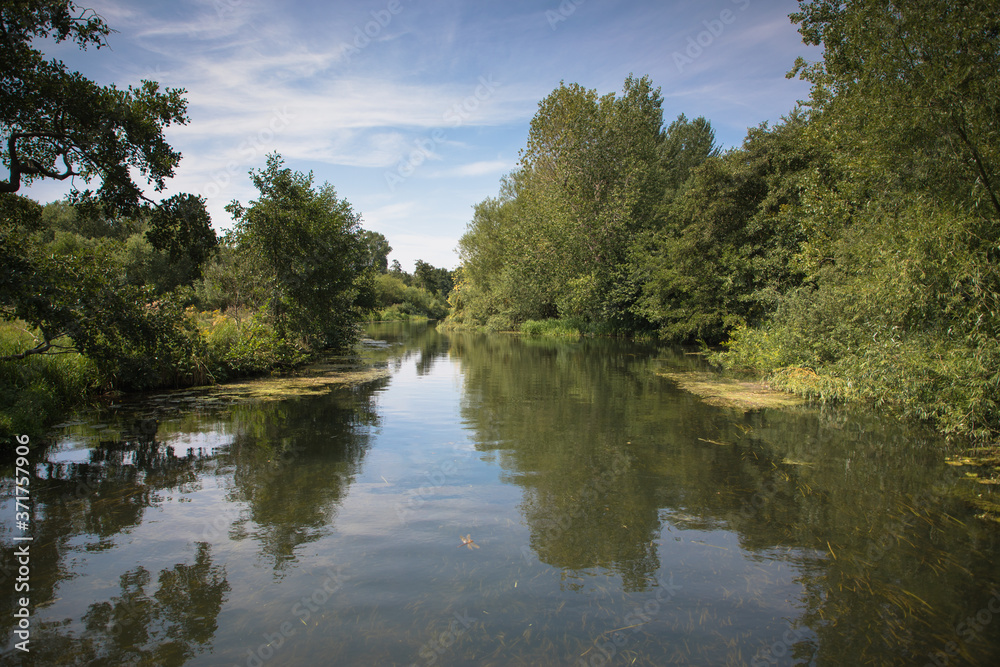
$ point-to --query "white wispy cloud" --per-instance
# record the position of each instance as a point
(457, 86)
(481, 168)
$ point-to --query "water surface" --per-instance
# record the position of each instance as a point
(614, 519)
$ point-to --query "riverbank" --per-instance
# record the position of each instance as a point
(928, 381)
(40, 389)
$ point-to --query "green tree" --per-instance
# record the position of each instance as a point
(181, 227)
(724, 253)
(901, 293)
(378, 250)
(307, 246)
(908, 90)
(557, 241)
(58, 124)
(686, 145)
(437, 281)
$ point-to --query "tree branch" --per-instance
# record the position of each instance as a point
(41, 348)
(33, 167)
(983, 173)
(13, 184)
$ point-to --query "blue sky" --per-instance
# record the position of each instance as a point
(415, 110)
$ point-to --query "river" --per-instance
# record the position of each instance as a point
(493, 500)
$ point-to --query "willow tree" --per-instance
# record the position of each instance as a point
(908, 90)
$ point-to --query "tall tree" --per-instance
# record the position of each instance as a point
(182, 227)
(724, 254)
(55, 123)
(308, 247)
(378, 250)
(437, 281)
(914, 83)
(592, 181)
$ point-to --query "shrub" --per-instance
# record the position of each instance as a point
(36, 390)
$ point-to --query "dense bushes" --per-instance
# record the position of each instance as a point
(395, 299)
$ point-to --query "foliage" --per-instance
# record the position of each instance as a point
(850, 250)
(378, 249)
(306, 245)
(898, 305)
(238, 349)
(557, 240)
(49, 114)
(549, 328)
(98, 289)
(395, 300)
(437, 281)
(723, 256)
(34, 388)
(908, 92)
(181, 227)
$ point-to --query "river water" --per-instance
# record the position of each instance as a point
(492, 500)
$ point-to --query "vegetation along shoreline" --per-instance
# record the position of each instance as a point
(848, 253)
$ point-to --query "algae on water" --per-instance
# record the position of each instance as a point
(312, 381)
(715, 390)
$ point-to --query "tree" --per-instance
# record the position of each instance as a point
(900, 289)
(57, 124)
(912, 83)
(378, 250)
(686, 145)
(724, 253)
(307, 245)
(437, 281)
(557, 240)
(182, 227)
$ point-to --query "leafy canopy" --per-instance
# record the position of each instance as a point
(55, 123)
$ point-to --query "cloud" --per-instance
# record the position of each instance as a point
(267, 77)
(481, 168)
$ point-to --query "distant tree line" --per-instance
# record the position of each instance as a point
(420, 295)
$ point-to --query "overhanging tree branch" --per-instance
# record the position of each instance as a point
(32, 167)
(41, 348)
(980, 167)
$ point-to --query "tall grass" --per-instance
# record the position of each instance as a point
(551, 328)
(39, 389)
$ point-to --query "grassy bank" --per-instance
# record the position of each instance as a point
(36, 390)
(566, 327)
(39, 390)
